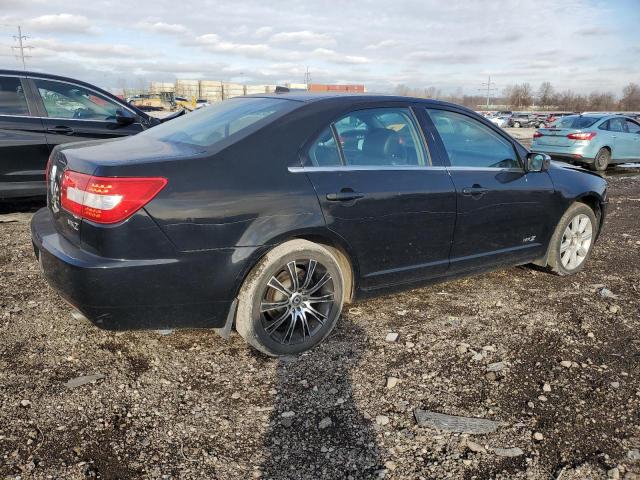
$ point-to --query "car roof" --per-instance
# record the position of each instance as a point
(354, 98)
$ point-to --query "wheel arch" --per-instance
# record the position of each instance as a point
(338, 246)
(595, 202)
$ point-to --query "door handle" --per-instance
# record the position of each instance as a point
(61, 129)
(475, 190)
(344, 196)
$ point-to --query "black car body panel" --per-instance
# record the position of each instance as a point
(180, 261)
(28, 137)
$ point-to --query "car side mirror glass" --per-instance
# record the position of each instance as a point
(537, 162)
(124, 117)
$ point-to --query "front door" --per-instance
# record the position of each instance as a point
(502, 210)
(73, 113)
(380, 192)
(23, 145)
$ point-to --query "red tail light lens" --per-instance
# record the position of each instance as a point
(581, 136)
(107, 199)
(537, 135)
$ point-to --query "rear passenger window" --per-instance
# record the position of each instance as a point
(12, 98)
(380, 137)
(469, 143)
(324, 152)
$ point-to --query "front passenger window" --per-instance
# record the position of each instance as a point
(64, 100)
(469, 143)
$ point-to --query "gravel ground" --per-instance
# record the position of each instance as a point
(554, 360)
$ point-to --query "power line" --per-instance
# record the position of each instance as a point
(489, 88)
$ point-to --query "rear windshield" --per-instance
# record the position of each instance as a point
(209, 125)
(575, 121)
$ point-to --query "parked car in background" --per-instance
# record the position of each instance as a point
(555, 116)
(260, 213)
(39, 111)
(500, 120)
(524, 120)
(595, 140)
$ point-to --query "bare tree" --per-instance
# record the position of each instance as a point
(546, 94)
(630, 97)
(602, 101)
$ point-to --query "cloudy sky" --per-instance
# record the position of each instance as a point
(449, 44)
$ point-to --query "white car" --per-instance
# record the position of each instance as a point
(500, 121)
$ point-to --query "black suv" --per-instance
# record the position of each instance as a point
(39, 111)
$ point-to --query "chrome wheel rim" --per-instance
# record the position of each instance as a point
(297, 302)
(576, 241)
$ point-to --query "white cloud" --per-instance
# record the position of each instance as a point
(263, 31)
(44, 46)
(303, 37)
(62, 23)
(336, 57)
(162, 27)
(213, 43)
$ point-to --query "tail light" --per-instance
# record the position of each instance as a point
(537, 134)
(581, 136)
(107, 199)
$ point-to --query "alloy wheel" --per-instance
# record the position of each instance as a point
(576, 241)
(297, 302)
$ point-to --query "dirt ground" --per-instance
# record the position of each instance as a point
(555, 360)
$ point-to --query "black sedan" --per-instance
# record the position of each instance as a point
(39, 111)
(269, 213)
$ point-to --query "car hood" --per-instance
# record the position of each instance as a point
(567, 166)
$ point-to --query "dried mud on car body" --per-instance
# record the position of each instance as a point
(191, 405)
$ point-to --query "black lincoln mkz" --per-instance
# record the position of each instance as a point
(268, 213)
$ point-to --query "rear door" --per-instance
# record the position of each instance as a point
(633, 134)
(380, 190)
(73, 112)
(502, 211)
(23, 145)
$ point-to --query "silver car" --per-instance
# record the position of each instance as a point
(595, 139)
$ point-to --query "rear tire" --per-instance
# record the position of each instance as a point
(602, 160)
(572, 241)
(291, 300)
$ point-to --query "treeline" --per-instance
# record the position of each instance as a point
(546, 97)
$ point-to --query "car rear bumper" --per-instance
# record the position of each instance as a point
(189, 291)
(575, 153)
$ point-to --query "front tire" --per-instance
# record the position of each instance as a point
(602, 160)
(572, 241)
(291, 300)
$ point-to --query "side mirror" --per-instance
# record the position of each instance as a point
(124, 117)
(537, 162)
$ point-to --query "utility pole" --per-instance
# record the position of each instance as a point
(489, 88)
(307, 77)
(21, 46)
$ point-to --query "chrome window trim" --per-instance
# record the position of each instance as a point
(342, 168)
(21, 116)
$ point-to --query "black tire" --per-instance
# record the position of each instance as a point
(288, 306)
(602, 160)
(555, 257)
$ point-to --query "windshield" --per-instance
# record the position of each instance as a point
(207, 126)
(575, 121)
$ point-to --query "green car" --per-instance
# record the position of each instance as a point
(597, 140)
